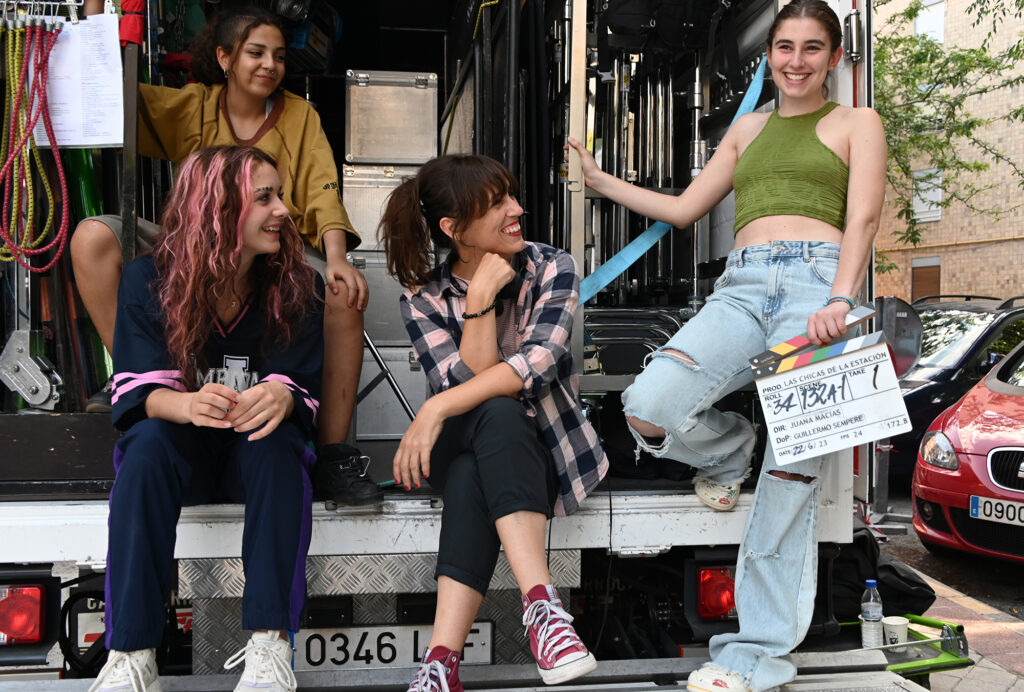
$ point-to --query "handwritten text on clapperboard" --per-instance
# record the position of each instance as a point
(833, 404)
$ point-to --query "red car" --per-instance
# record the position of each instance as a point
(969, 479)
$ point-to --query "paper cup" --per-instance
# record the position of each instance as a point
(895, 629)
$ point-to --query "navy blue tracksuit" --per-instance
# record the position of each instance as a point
(162, 466)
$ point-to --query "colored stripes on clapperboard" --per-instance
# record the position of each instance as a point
(798, 343)
(818, 354)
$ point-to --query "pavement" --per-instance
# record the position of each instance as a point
(995, 638)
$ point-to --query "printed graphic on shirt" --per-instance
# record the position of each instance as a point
(234, 373)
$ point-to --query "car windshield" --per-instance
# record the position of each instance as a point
(948, 334)
(1015, 375)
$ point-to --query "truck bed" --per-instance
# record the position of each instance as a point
(629, 519)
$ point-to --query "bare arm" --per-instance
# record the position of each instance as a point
(479, 345)
(208, 407)
(706, 190)
(413, 456)
(864, 197)
(93, 7)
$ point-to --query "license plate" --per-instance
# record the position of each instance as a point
(1002, 511)
(384, 646)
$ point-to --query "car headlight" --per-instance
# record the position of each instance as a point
(937, 450)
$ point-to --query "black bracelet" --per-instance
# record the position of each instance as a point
(471, 315)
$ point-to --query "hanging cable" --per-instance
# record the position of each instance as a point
(33, 46)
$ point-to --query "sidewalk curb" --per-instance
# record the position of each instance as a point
(996, 641)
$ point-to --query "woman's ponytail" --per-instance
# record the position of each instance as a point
(405, 235)
(459, 187)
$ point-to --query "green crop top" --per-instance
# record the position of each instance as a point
(788, 170)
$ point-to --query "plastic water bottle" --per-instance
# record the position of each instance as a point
(871, 616)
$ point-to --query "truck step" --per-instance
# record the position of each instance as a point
(849, 671)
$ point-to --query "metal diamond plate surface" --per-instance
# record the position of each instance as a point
(211, 578)
(216, 633)
(375, 609)
(357, 574)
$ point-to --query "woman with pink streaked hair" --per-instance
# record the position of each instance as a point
(218, 353)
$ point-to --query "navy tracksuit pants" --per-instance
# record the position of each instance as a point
(163, 466)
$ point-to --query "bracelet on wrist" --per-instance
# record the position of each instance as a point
(841, 299)
(471, 315)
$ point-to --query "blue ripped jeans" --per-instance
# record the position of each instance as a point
(763, 298)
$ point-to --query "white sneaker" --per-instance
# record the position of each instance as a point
(268, 664)
(128, 670)
(720, 496)
(711, 678)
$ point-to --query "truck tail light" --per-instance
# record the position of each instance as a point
(22, 609)
(715, 599)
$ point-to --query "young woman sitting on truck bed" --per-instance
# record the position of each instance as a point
(218, 348)
(502, 436)
(809, 181)
(239, 60)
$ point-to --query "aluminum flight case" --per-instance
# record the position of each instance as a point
(366, 189)
(390, 117)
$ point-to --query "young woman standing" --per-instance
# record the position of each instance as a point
(809, 179)
(239, 60)
(502, 436)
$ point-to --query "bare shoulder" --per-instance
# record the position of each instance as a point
(745, 129)
(858, 120)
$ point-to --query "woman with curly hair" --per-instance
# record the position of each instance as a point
(239, 62)
(218, 351)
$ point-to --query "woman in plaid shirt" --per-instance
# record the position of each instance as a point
(502, 437)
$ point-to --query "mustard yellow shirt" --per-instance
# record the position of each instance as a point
(175, 122)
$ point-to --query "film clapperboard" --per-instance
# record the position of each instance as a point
(831, 398)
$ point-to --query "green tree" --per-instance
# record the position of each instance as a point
(924, 92)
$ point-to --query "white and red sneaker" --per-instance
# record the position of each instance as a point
(711, 678)
(439, 671)
(720, 496)
(560, 653)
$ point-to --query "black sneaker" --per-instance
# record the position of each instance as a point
(341, 476)
(101, 401)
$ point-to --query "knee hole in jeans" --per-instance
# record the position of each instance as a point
(680, 356)
(800, 478)
(651, 432)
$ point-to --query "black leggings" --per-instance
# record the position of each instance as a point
(487, 464)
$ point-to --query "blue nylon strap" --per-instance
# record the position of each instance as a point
(753, 91)
(621, 261)
(624, 258)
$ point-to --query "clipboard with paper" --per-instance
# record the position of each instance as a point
(821, 400)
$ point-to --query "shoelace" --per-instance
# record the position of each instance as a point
(357, 463)
(119, 667)
(431, 677)
(262, 659)
(554, 634)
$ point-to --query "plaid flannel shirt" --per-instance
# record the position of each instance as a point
(550, 394)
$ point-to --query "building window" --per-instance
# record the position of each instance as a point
(928, 195)
(932, 20)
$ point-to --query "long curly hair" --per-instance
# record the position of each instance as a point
(199, 254)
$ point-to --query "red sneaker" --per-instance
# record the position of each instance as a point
(439, 671)
(560, 653)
